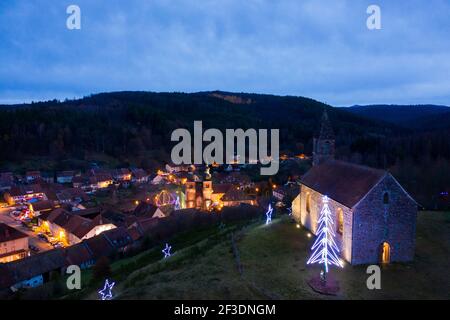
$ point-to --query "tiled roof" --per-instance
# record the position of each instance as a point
(8, 233)
(343, 182)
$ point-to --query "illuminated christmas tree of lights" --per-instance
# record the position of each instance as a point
(269, 214)
(325, 250)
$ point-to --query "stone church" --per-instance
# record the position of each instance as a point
(375, 218)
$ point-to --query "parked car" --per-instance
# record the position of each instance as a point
(58, 245)
(33, 248)
(43, 237)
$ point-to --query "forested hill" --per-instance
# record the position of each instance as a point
(133, 129)
(423, 117)
(128, 125)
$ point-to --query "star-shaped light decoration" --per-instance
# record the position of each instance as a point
(166, 251)
(269, 214)
(106, 292)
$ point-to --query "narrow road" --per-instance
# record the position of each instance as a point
(33, 240)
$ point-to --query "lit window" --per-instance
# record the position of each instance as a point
(308, 203)
(340, 221)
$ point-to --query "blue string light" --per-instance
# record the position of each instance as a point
(166, 251)
(177, 203)
(106, 292)
(269, 214)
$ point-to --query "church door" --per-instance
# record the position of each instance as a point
(385, 253)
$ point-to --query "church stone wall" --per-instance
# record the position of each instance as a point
(376, 222)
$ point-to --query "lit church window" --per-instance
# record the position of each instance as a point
(340, 221)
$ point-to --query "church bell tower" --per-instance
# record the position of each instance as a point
(324, 142)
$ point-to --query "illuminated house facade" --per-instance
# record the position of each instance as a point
(13, 244)
(71, 228)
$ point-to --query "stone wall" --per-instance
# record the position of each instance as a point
(376, 222)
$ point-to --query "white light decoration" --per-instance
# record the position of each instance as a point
(166, 251)
(290, 211)
(325, 250)
(177, 203)
(106, 292)
(269, 214)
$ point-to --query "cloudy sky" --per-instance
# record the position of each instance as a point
(316, 48)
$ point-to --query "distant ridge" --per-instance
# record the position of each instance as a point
(426, 116)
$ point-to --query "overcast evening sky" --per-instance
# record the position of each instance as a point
(320, 49)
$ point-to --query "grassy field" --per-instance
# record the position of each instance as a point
(273, 261)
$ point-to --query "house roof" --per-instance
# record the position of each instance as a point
(139, 173)
(71, 193)
(32, 266)
(66, 174)
(8, 233)
(344, 182)
(25, 189)
(43, 205)
(119, 237)
(78, 254)
(222, 187)
(145, 209)
(99, 246)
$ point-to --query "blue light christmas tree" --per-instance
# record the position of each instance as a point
(269, 214)
(325, 250)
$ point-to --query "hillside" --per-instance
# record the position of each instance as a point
(273, 260)
(133, 126)
(424, 117)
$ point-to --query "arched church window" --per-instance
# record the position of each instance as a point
(340, 221)
(308, 203)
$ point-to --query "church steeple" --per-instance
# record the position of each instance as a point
(324, 142)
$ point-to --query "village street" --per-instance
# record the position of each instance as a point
(33, 239)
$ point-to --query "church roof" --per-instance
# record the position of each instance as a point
(344, 182)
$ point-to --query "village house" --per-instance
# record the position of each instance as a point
(40, 207)
(374, 217)
(25, 193)
(237, 196)
(121, 175)
(72, 196)
(35, 270)
(100, 181)
(148, 210)
(71, 228)
(13, 244)
(65, 177)
(31, 176)
(6, 181)
(139, 176)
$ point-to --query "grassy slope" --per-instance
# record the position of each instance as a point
(273, 260)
